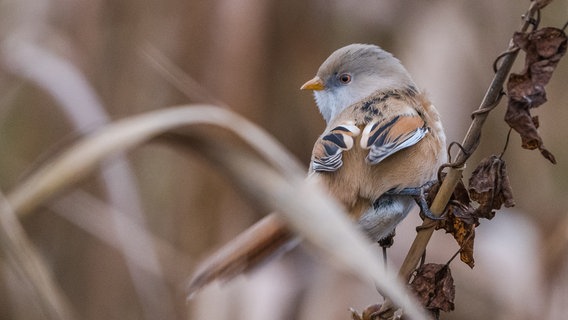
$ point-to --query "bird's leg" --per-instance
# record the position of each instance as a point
(386, 243)
(418, 195)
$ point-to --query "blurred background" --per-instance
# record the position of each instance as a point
(62, 59)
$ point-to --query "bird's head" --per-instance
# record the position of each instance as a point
(353, 73)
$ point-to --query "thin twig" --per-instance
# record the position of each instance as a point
(469, 144)
(506, 143)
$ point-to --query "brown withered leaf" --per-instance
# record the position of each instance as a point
(536, 121)
(459, 220)
(544, 48)
(370, 313)
(490, 187)
(541, 3)
(459, 201)
(434, 286)
(462, 230)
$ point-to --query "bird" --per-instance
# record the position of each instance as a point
(383, 143)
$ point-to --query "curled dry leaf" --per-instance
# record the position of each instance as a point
(464, 234)
(459, 220)
(490, 187)
(542, 3)
(544, 48)
(434, 286)
(370, 313)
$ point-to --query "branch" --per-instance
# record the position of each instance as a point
(469, 145)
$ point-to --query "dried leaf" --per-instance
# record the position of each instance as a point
(370, 313)
(489, 186)
(542, 3)
(460, 204)
(544, 48)
(355, 315)
(464, 234)
(459, 220)
(434, 287)
(536, 121)
(458, 201)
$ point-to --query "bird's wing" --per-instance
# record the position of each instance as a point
(328, 150)
(387, 136)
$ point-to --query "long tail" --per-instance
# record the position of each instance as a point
(258, 244)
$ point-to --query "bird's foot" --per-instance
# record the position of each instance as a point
(418, 195)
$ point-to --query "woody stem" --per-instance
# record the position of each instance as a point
(470, 143)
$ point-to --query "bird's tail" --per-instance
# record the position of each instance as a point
(263, 241)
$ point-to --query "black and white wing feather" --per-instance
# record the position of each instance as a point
(327, 155)
(386, 137)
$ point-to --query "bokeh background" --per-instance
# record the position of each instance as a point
(253, 56)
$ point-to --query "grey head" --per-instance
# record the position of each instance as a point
(351, 74)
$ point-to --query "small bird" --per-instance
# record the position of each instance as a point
(383, 142)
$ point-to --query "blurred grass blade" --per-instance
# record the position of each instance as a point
(81, 105)
(28, 264)
(182, 81)
(124, 135)
(280, 185)
(97, 218)
(312, 213)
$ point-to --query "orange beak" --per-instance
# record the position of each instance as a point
(315, 84)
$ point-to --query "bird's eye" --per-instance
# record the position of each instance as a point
(345, 78)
